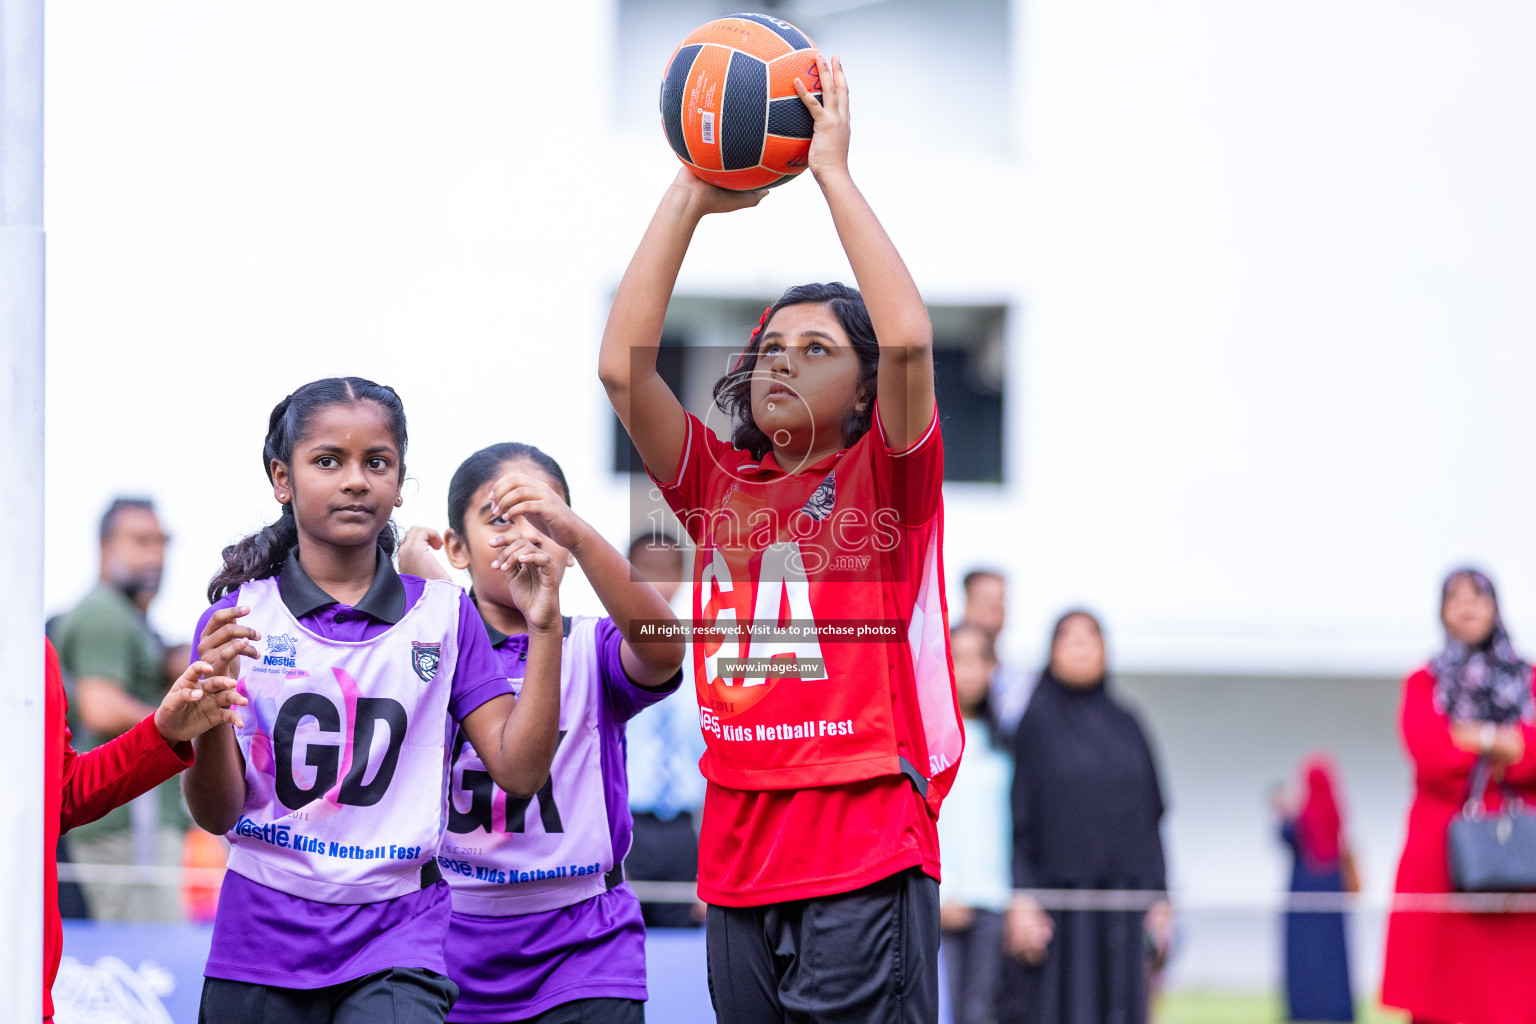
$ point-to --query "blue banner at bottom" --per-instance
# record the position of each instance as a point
(153, 974)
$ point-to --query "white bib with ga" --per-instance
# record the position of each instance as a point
(345, 748)
(506, 856)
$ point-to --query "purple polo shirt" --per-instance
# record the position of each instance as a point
(511, 968)
(268, 937)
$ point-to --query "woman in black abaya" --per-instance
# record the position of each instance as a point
(1086, 813)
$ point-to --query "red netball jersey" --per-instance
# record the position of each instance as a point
(821, 658)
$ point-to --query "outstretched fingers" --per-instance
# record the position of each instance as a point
(506, 503)
(517, 552)
(834, 89)
(812, 104)
(225, 639)
(200, 691)
(225, 690)
(223, 656)
(830, 131)
(188, 687)
(423, 535)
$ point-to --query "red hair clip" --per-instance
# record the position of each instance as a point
(761, 321)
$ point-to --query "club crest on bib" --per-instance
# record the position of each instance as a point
(819, 505)
(281, 650)
(424, 659)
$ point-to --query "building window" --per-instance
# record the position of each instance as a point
(704, 336)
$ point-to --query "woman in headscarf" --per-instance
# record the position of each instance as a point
(1474, 700)
(1316, 954)
(1086, 812)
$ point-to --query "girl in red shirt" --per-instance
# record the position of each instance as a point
(83, 787)
(820, 647)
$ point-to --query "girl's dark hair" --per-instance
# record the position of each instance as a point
(1480, 581)
(482, 467)
(733, 392)
(1068, 616)
(263, 553)
(1061, 624)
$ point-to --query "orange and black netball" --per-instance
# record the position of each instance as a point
(728, 101)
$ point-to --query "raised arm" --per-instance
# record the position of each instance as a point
(516, 737)
(896, 308)
(214, 786)
(628, 600)
(92, 783)
(626, 363)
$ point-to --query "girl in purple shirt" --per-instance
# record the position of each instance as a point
(332, 793)
(544, 927)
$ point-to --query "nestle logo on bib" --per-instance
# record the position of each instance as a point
(281, 649)
(424, 659)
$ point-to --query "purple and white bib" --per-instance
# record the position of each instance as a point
(345, 751)
(506, 856)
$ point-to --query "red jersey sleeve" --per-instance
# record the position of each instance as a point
(706, 460)
(83, 787)
(114, 773)
(914, 477)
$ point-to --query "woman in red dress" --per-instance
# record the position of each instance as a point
(1474, 699)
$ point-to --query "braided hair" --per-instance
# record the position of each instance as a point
(263, 553)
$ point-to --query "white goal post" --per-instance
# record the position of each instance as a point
(21, 508)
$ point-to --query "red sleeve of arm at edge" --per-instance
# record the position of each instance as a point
(78, 788)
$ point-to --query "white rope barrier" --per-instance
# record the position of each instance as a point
(1215, 900)
(1184, 900)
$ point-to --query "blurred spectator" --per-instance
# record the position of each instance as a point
(1087, 808)
(658, 559)
(666, 789)
(986, 599)
(203, 851)
(1473, 700)
(121, 670)
(1316, 954)
(973, 837)
(986, 605)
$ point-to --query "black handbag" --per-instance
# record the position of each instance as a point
(1492, 852)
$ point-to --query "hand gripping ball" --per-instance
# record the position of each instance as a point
(728, 101)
